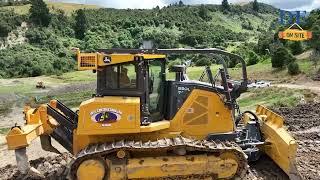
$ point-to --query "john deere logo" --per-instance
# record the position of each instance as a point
(105, 115)
(107, 59)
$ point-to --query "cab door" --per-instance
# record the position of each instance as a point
(156, 71)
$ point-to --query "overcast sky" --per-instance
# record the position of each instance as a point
(283, 4)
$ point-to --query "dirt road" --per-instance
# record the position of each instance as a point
(314, 86)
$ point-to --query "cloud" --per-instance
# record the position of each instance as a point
(147, 4)
(289, 4)
(135, 4)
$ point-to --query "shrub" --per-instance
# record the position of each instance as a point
(172, 63)
(253, 58)
(293, 68)
(296, 47)
(9, 21)
(281, 57)
(203, 61)
(263, 44)
(26, 61)
(247, 25)
(44, 38)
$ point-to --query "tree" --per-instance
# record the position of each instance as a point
(204, 13)
(81, 24)
(225, 5)
(255, 5)
(315, 43)
(264, 42)
(315, 58)
(181, 3)
(296, 47)
(39, 13)
(281, 57)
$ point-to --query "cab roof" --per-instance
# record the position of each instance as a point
(91, 61)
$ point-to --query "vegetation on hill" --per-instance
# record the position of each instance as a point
(9, 21)
(53, 33)
(249, 30)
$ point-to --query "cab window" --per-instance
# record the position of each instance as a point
(121, 76)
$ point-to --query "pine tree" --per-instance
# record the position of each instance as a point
(81, 24)
(39, 13)
(225, 5)
(204, 13)
(181, 3)
(255, 5)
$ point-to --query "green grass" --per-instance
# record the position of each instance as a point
(68, 8)
(261, 71)
(73, 99)
(4, 130)
(234, 22)
(264, 70)
(75, 76)
(274, 97)
(24, 86)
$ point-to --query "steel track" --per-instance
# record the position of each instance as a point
(104, 149)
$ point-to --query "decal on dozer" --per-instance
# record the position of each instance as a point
(105, 115)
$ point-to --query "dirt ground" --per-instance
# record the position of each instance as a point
(302, 121)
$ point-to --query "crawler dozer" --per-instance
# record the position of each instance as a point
(141, 125)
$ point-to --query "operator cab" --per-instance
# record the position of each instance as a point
(134, 73)
(144, 78)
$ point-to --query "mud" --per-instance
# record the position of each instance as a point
(303, 123)
(53, 167)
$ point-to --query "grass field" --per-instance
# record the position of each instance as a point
(4, 130)
(72, 99)
(264, 71)
(274, 97)
(261, 71)
(68, 8)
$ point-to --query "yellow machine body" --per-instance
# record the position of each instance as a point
(117, 120)
(194, 119)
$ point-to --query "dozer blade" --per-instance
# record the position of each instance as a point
(280, 145)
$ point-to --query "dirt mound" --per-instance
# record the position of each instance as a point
(301, 117)
(265, 169)
(303, 121)
(50, 167)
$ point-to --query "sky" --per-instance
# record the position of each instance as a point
(302, 5)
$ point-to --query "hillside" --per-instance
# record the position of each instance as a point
(68, 8)
(197, 26)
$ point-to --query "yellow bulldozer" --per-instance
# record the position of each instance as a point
(141, 125)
